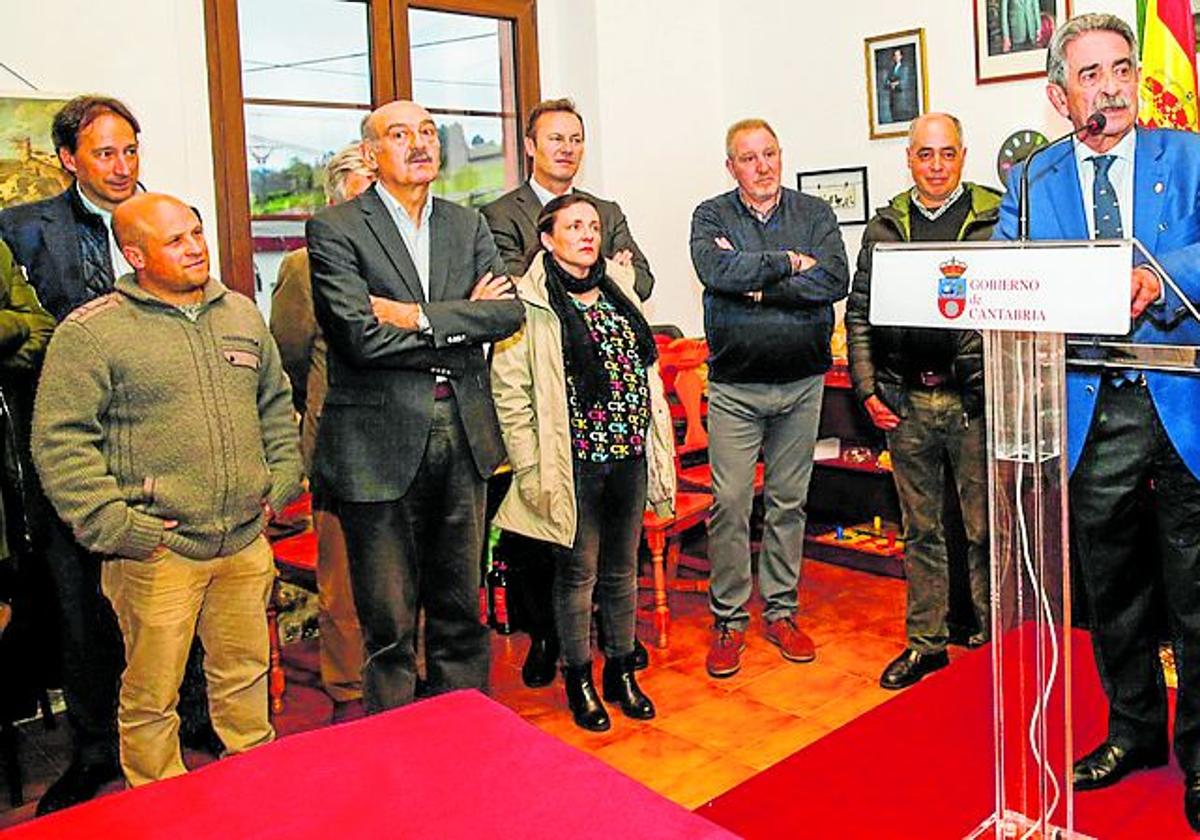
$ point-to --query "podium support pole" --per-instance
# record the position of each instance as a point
(1031, 588)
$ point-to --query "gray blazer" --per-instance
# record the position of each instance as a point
(379, 407)
(513, 220)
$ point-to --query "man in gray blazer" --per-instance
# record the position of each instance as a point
(407, 288)
(554, 142)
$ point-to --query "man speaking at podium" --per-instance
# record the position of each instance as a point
(1128, 427)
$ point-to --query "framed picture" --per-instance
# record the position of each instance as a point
(1011, 37)
(845, 190)
(29, 167)
(897, 81)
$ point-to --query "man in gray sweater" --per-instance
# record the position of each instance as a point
(163, 435)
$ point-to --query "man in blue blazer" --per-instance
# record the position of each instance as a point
(1128, 428)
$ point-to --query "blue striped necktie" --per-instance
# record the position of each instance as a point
(1106, 212)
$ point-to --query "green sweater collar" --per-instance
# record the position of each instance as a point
(127, 285)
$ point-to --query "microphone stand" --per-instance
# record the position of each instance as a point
(1094, 125)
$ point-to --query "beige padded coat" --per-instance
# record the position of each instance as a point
(529, 387)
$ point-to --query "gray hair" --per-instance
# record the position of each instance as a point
(349, 161)
(915, 124)
(748, 124)
(365, 130)
(1056, 55)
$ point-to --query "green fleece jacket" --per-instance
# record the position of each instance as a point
(25, 326)
(143, 415)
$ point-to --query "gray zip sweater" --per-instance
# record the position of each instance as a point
(143, 415)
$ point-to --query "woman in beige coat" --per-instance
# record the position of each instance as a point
(589, 438)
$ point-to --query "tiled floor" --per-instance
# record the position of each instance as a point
(709, 735)
(712, 734)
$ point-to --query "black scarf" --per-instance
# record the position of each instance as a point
(581, 355)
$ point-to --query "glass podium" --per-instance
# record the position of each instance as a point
(1024, 297)
(1031, 589)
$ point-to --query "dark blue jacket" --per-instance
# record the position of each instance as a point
(784, 337)
(44, 237)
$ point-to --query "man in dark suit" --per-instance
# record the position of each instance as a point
(407, 288)
(66, 245)
(554, 141)
(1128, 428)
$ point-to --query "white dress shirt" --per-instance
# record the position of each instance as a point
(1120, 173)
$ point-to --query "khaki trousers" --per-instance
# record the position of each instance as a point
(160, 604)
(341, 638)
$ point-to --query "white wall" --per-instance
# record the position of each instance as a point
(659, 82)
(148, 54)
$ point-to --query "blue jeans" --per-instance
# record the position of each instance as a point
(610, 500)
(781, 421)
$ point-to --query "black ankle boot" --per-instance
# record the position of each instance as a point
(541, 662)
(586, 708)
(641, 656)
(620, 686)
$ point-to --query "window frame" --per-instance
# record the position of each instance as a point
(391, 78)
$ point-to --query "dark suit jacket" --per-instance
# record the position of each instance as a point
(379, 406)
(43, 238)
(513, 220)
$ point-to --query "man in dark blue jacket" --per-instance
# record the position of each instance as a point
(772, 263)
(66, 245)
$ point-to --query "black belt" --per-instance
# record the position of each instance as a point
(442, 391)
(930, 379)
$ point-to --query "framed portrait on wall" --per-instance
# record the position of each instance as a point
(29, 167)
(897, 81)
(1011, 37)
(845, 190)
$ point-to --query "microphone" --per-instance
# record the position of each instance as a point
(1092, 126)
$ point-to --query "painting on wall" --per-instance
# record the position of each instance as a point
(845, 190)
(29, 167)
(1011, 37)
(897, 81)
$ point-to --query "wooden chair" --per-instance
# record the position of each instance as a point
(662, 538)
(679, 363)
(294, 546)
(682, 365)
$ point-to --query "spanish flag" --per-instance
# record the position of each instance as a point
(1168, 90)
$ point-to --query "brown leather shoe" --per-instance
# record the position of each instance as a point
(793, 643)
(725, 654)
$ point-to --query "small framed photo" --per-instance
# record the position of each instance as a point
(1011, 37)
(897, 81)
(845, 190)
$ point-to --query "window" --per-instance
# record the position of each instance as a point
(291, 80)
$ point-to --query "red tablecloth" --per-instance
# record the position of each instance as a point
(456, 766)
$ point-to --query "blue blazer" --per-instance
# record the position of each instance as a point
(43, 238)
(1166, 219)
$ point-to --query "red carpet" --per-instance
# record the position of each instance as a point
(456, 766)
(919, 766)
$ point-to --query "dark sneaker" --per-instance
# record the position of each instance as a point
(725, 653)
(793, 643)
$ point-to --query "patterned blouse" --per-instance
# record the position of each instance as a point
(616, 430)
